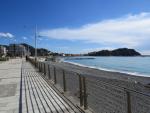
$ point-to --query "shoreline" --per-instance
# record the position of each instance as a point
(94, 72)
(109, 70)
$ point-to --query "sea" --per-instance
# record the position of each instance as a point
(139, 66)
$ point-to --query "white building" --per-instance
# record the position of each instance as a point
(3, 51)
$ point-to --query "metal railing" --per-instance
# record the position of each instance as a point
(99, 94)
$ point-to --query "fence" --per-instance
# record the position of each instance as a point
(99, 94)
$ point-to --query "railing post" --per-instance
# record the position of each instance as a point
(64, 81)
(128, 102)
(40, 67)
(35, 62)
(85, 93)
(55, 80)
(38, 64)
(49, 71)
(81, 90)
(45, 69)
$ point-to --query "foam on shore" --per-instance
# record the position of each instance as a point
(109, 70)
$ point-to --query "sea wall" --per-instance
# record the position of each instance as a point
(100, 91)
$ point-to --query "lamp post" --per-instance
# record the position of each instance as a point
(36, 37)
(36, 43)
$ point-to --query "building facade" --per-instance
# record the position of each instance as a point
(3, 51)
(17, 50)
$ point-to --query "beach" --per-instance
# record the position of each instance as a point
(102, 73)
(105, 90)
(138, 65)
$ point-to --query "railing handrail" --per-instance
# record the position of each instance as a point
(96, 77)
(85, 77)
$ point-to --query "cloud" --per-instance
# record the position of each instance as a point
(127, 31)
(96, 49)
(40, 39)
(6, 35)
(24, 38)
(145, 52)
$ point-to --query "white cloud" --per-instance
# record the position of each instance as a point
(145, 52)
(127, 31)
(24, 38)
(96, 49)
(40, 39)
(6, 35)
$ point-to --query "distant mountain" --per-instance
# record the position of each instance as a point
(5, 46)
(116, 52)
(30, 48)
(40, 51)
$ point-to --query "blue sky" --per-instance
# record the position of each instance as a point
(77, 26)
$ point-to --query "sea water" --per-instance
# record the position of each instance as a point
(132, 65)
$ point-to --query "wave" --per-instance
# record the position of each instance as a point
(108, 70)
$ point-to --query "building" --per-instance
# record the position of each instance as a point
(3, 51)
(17, 50)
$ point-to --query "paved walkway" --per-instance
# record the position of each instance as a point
(23, 90)
(10, 86)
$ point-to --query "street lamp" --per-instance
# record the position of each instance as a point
(36, 43)
(36, 37)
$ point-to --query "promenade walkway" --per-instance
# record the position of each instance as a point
(10, 74)
(24, 90)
